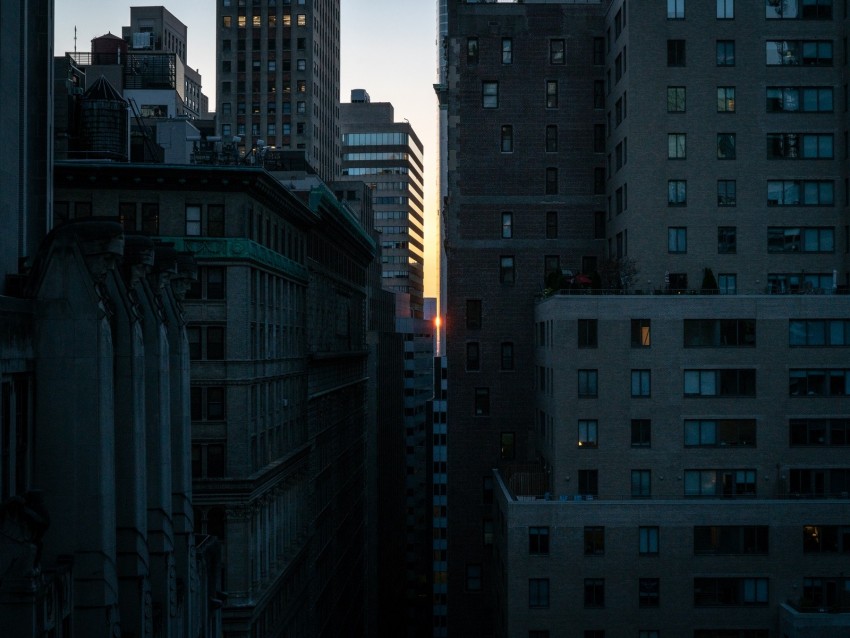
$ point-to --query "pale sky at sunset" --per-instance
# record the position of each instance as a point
(388, 48)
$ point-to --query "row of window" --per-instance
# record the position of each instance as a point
(701, 333)
(779, 146)
(557, 51)
(473, 356)
(708, 592)
(676, 9)
(550, 139)
(779, 240)
(788, 192)
(256, 21)
(789, 99)
(256, 43)
(736, 432)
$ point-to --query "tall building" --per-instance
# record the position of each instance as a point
(389, 156)
(278, 77)
(683, 461)
(522, 195)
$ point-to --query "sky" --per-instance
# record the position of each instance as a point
(388, 47)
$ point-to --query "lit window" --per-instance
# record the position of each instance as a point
(587, 433)
(507, 225)
(302, 20)
(256, 21)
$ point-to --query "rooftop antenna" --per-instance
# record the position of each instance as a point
(75, 38)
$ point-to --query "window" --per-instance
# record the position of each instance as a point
(587, 383)
(675, 9)
(551, 181)
(727, 283)
(150, 219)
(826, 539)
(675, 99)
(677, 192)
(205, 342)
(725, 53)
(193, 220)
(648, 541)
(731, 539)
(598, 51)
(588, 482)
(207, 403)
(490, 95)
(800, 99)
(641, 483)
(800, 240)
(598, 94)
(587, 433)
(551, 138)
(557, 52)
(676, 145)
(677, 240)
(726, 192)
(551, 224)
(720, 432)
(720, 483)
(820, 431)
(640, 331)
(551, 94)
(594, 592)
(641, 432)
(725, 9)
(599, 180)
(506, 269)
(675, 53)
(720, 333)
(818, 383)
(507, 451)
(538, 593)
(641, 383)
(507, 355)
(538, 540)
(799, 52)
(792, 9)
(819, 482)
(594, 541)
(716, 383)
(725, 146)
(649, 592)
(472, 50)
(507, 138)
(725, 99)
(473, 577)
(507, 225)
(819, 332)
(473, 314)
(507, 51)
(587, 333)
(799, 146)
(482, 402)
(473, 356)
(800, 193)
(302, 20)
(711, 592)
(209, 284)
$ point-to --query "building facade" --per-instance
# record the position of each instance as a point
(389, 156)
(278, 411)
(689, 162)
(523, 195)
(278, 77)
